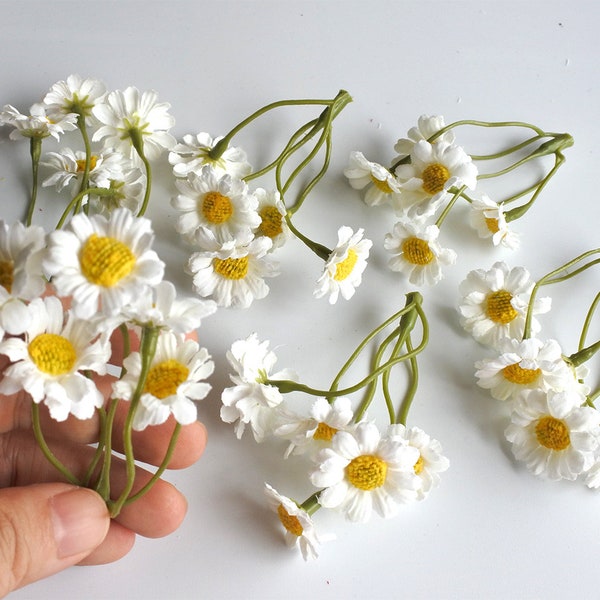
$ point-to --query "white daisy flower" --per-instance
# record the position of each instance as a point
(271, 211)
(344, 267)
(298, 524)
(21, 277)
(50, 360)
(75, 95)
(251, 401)
(381, 184)
(131, 117)
(217, 202)
(175, 380)
(38, 124)
(103, 263)
(312, 434)
(126, 188)
(232, 273)
(494, 303)
(433, 170)
(427, 126)
(553, 434)
(489, 220)
(162, 309)
(431, 461)
(522, 365)
(363, 471)
(417, 253)
(193, 154)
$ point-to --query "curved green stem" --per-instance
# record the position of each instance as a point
(35, 149)
(588, 319)
(103, 484)
(138, 143)
(321, 251)
(88, 152)
(449, 206)
(407, 401)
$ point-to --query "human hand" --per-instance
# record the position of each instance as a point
(47, 525)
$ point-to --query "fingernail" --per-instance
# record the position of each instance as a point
(80, 521)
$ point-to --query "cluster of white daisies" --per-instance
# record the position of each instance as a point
(553, 429)
(355, 467)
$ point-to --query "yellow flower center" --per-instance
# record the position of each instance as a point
(216, 208)
(417, 251)
(164, 378)
(419, 465)
(105, 260)
(516, 374)
(492, 224)
(434, 178)
(324, 432)
(52, 353)
(231, 268)
(344, 268)
(382, 186)
(290, 522)
(552, 433)
(81, 163)
(270, 225)
(367, 472)
(499, 308)
(7, 274)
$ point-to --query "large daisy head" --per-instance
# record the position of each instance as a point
(345, 265)
(494, 303)
(75, 95)
(51, 360)
(364, 471)
(416, 252)
(103, 263)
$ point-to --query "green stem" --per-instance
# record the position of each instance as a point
(321, 251)
(103, 485)
(588, 320)
(41, 441)
(449, 206)
(138, 143)
(88, 152)
(35, 149)
(311, 504)
(583, 355)
(412, 389)
(99, 450)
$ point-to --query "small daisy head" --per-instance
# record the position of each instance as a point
(345, 265)
(49, 360)
(364, 471)
(554, 434)
(75, 95)
(416, 252)
(174, 381)
(426, 127)
(298, 524)
(489, 220)
(215, 201)
(134, 122)
(103, 263)
(38, 124)
(193, 153)
(494, 303)
(272, 213)
(380, 183)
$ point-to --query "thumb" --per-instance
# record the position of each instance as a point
(45, 528)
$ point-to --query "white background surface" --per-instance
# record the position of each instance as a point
(491, 530)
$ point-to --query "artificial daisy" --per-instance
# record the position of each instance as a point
(312, 434)
(364, 471)
(522, 365)
(75, 95)
(426, 127)
(272, 212)
(298, 524)
(432, 171)
(489, 220)
(174, 381)
(103, 263)
(162, 309)
(123, 190)
(232, 273)
(53, 358)
(380, 183)
(431, 461)
(494, 303)
(251, 401)
(193, 154)
(134, 122)
(553, 434)
(344, 267)
(38, 124)
(217, 202)
(417, 253)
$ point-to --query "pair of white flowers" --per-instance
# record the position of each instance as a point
(552, 429)
(356, 468)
